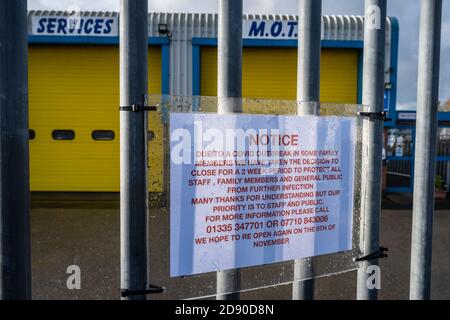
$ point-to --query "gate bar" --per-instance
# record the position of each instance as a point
(229, 95)
(425, 159)
(372, 142)
(15, 264)
(133, 148)
(308, 97)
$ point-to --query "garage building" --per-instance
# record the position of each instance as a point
(74, 82)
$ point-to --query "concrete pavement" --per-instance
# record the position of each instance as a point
(84, 230)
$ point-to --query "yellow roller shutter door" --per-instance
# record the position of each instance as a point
(271, 73)
(77, 88)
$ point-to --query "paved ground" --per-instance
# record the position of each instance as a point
(85, 231)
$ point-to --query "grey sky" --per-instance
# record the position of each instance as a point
(406, 11)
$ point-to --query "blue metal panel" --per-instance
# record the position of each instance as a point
(196, 52)
(444, 116)
(344, 44)
(165, 69)
(90, 40)
(282, 43)
(360, 75)
(73, 40)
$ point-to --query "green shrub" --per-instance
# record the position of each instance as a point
(440, 184)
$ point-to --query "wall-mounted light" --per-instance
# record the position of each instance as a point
(163, 29)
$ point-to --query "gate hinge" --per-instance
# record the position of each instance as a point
(151, 290)
(138, 108)
(379, 254)
(375, 115)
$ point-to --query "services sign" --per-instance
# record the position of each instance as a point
(80, 25)
(76, 25)
(248, 190)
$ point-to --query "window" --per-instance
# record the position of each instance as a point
(103, 135)
(399, 142)
(63, 134)
(32, 134)
(443, 144)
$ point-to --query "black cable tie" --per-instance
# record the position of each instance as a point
(375, 115)
(138, 108)
(151, 290)
(379, 254)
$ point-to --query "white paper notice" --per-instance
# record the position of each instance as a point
(248, 190)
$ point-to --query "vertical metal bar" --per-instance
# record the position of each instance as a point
(447, 163)
(229, 96)
(308, 101)
(426, 136)
(372, 146)
(15, 265)
(133, 149)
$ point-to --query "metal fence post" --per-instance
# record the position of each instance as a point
(133, 146)
(15, 265)
(229, 96)
(308, 97)
(373, 98)
(425, 159)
